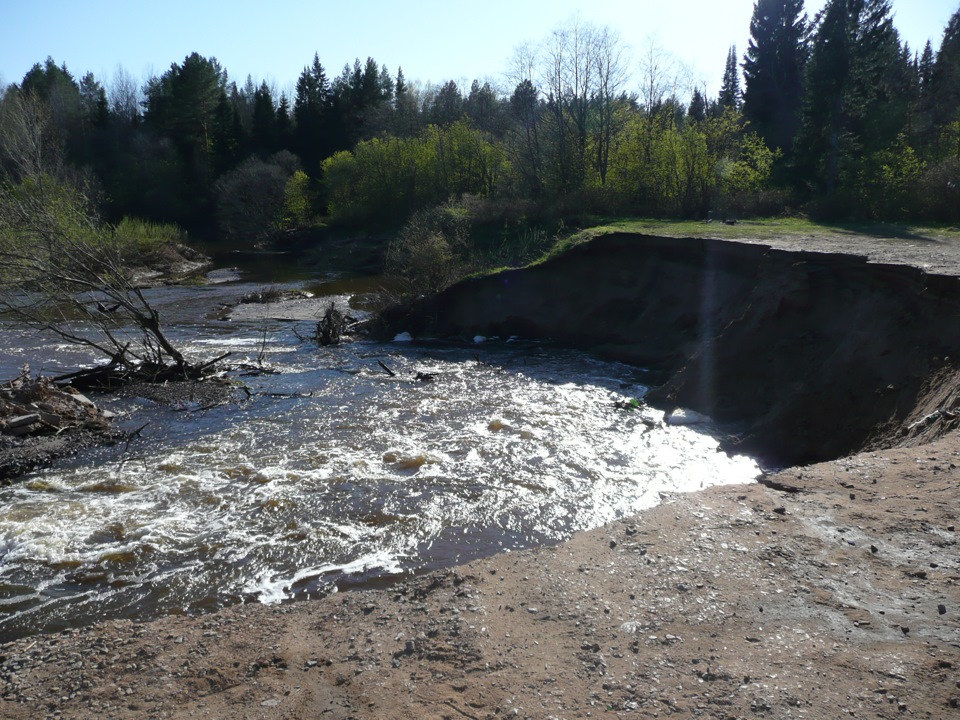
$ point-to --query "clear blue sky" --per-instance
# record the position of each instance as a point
(433, 40)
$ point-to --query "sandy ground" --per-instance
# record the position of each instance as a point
(840, 600)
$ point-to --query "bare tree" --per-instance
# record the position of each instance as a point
(660, 76)
(61, 269)
(125, 95)
(25, 135)
(63, 272)
(581, 71)
(610, 70)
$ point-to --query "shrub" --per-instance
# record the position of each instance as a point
(250, 199)
(432, 251)
(137, 238)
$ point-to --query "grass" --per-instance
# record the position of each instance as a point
(761, 229)
(140, 237)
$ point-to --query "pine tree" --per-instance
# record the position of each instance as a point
(263, 135)
(729, 96)
(482, 106)
(310, 111)
(697, 110)
(447, 104)
(945, 78)
(773, 70)
(854, 103)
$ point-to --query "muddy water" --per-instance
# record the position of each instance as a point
(333, 473)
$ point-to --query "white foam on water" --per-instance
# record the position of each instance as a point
(271, 588)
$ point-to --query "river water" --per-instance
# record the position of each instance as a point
(333, 473)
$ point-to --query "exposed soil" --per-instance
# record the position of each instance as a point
(842, 599)
(808, 355)
(828, 590)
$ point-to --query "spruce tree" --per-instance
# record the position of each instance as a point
(697, 111)
(310, 108)
(854, 103)
(773, 70)
(263, 136)
(945, 77)
(284, 129)
(729, 96)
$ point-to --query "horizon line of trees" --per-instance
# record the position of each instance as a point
(831, 114)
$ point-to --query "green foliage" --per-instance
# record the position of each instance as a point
(297, 202)
(687, 170)
(940, 190)
(250, 199)
(887, 182)
(138, 238)
(384, 179)
(744, 177)
(34, 214)
(866, 128)
(432, 250)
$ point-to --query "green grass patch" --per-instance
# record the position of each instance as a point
(756, 230)
(138, 238)
(770, 228)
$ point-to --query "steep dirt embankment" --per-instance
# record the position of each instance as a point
(809, 355)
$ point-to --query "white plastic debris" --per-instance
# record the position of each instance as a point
(683, 416)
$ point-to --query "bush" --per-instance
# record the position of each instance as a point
(432, 251)
(137, 238)
(250, 199)
(940, 190)
(297, 202)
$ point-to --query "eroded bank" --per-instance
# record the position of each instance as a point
(806, 355)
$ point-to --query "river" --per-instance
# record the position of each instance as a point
(333, 474)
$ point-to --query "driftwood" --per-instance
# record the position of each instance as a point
(36, 406)
(331, 326)
(122, 371)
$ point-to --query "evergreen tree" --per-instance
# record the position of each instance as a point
(263, 134)
(729, 96)
(311, 109)
(483, 107)
(189, 105)
(405, 121)
(93, 101)
(447, 104)
(945, 78)
(283, 127)
(60, 94)
(773, 70)
(854, 103)
(925, 68)
(697, 110)
(184, 103)
(524, 144)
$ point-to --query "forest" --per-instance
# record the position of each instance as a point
(832, 117)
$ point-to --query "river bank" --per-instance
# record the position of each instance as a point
(830, 590)
(840, 599)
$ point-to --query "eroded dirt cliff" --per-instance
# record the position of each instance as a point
(807, 356)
